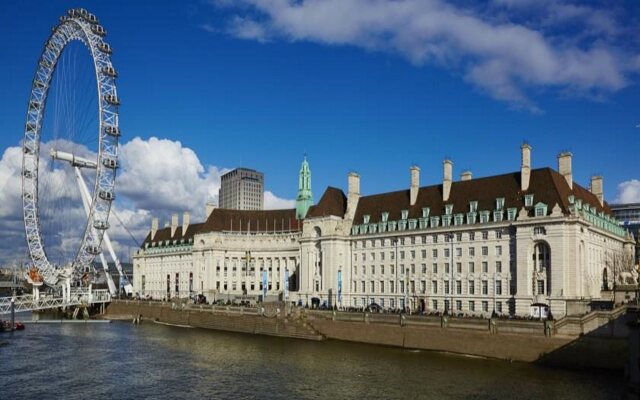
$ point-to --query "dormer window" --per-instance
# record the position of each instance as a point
(498, 215)
(405, 214)
(528, 200)
(446, 220)
(366, 218)
(459, 219)
(435, 222)
(385, 216)
(499, 203)
(511, 213)
(448, 209)
(540, 210)
(484, 217)
(579, 203)
(425, 212)
(473, 206)
(472, 217)
(572, 199)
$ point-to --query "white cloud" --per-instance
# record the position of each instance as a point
(272, 202)
(158, 177)
(499, 56)
(629, 192)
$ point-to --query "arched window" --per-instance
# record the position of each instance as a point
(541, 256)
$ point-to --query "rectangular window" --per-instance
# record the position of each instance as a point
(458, 287)
(485, 287)
(382, 269)
(413, 286)
(498, 234)
(472, 251)
(435, 304)
(382, 256)
(485, 267)
(402, 255)
(485, 250)
(498, 251)
(459, 235)
(472, 287)
(364, 256)
(485, 235)
(472, 267)
(392, 286)
(459, 305)
(459, 267)
(498, 288)
(424, 268)
(373, 256)
(435, 268)
(434, 287)
(459, 252)
(423, 286)
(540, 286)
(434, 253)
(435, 238)
(499, 307)
(498, 266)
(424, 254)
(381, 286)
(364, 289)
(413, 254)
(373, 286)
(401, 286)
(446, 268)
(446, 287)
(472, 306)
(446, 253)
(413, 268)
(373, 270)
(472, 236)
(485, 306)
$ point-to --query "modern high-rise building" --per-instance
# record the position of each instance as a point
(242, 189)
(628, 215)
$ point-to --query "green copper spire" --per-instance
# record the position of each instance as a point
(305, 197)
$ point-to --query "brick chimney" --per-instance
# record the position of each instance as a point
(415, 183)
(154, 227)
(525, 167)
(185, 221)
(174, 224)
(596, 188)
(564, 167)
(353, 195)
(447, 179)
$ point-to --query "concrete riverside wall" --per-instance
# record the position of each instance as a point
(518, 340)
(234, 319)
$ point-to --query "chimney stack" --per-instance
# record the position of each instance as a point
(154, 227)
(185, 221)
(466, 176)
(209, 209)
(564, 167)
(354, 194)
(525, 167)
(174, 224)
(415, 183)
(446, 179)
(596, 188)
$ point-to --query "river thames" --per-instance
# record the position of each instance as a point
(150, 361)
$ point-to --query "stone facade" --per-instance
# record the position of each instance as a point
(521, 243)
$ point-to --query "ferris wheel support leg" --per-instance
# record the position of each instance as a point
(86, 202)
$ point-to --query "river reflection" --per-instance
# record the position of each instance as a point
(124, 361)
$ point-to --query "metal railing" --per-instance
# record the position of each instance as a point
(77, 297)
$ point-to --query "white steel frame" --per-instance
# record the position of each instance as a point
(82, 26)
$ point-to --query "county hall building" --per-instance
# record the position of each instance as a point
(519, 243)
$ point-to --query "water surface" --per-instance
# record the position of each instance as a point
(124, 361)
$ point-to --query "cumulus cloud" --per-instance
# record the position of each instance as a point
(157, 177)
(498, 48)
(629, 192)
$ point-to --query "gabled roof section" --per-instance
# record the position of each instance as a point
(333, 202)
(164, 234)
(547, 186)
(252, 221)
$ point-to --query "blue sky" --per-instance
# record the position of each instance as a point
(371, 86)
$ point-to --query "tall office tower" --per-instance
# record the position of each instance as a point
(242, 189)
